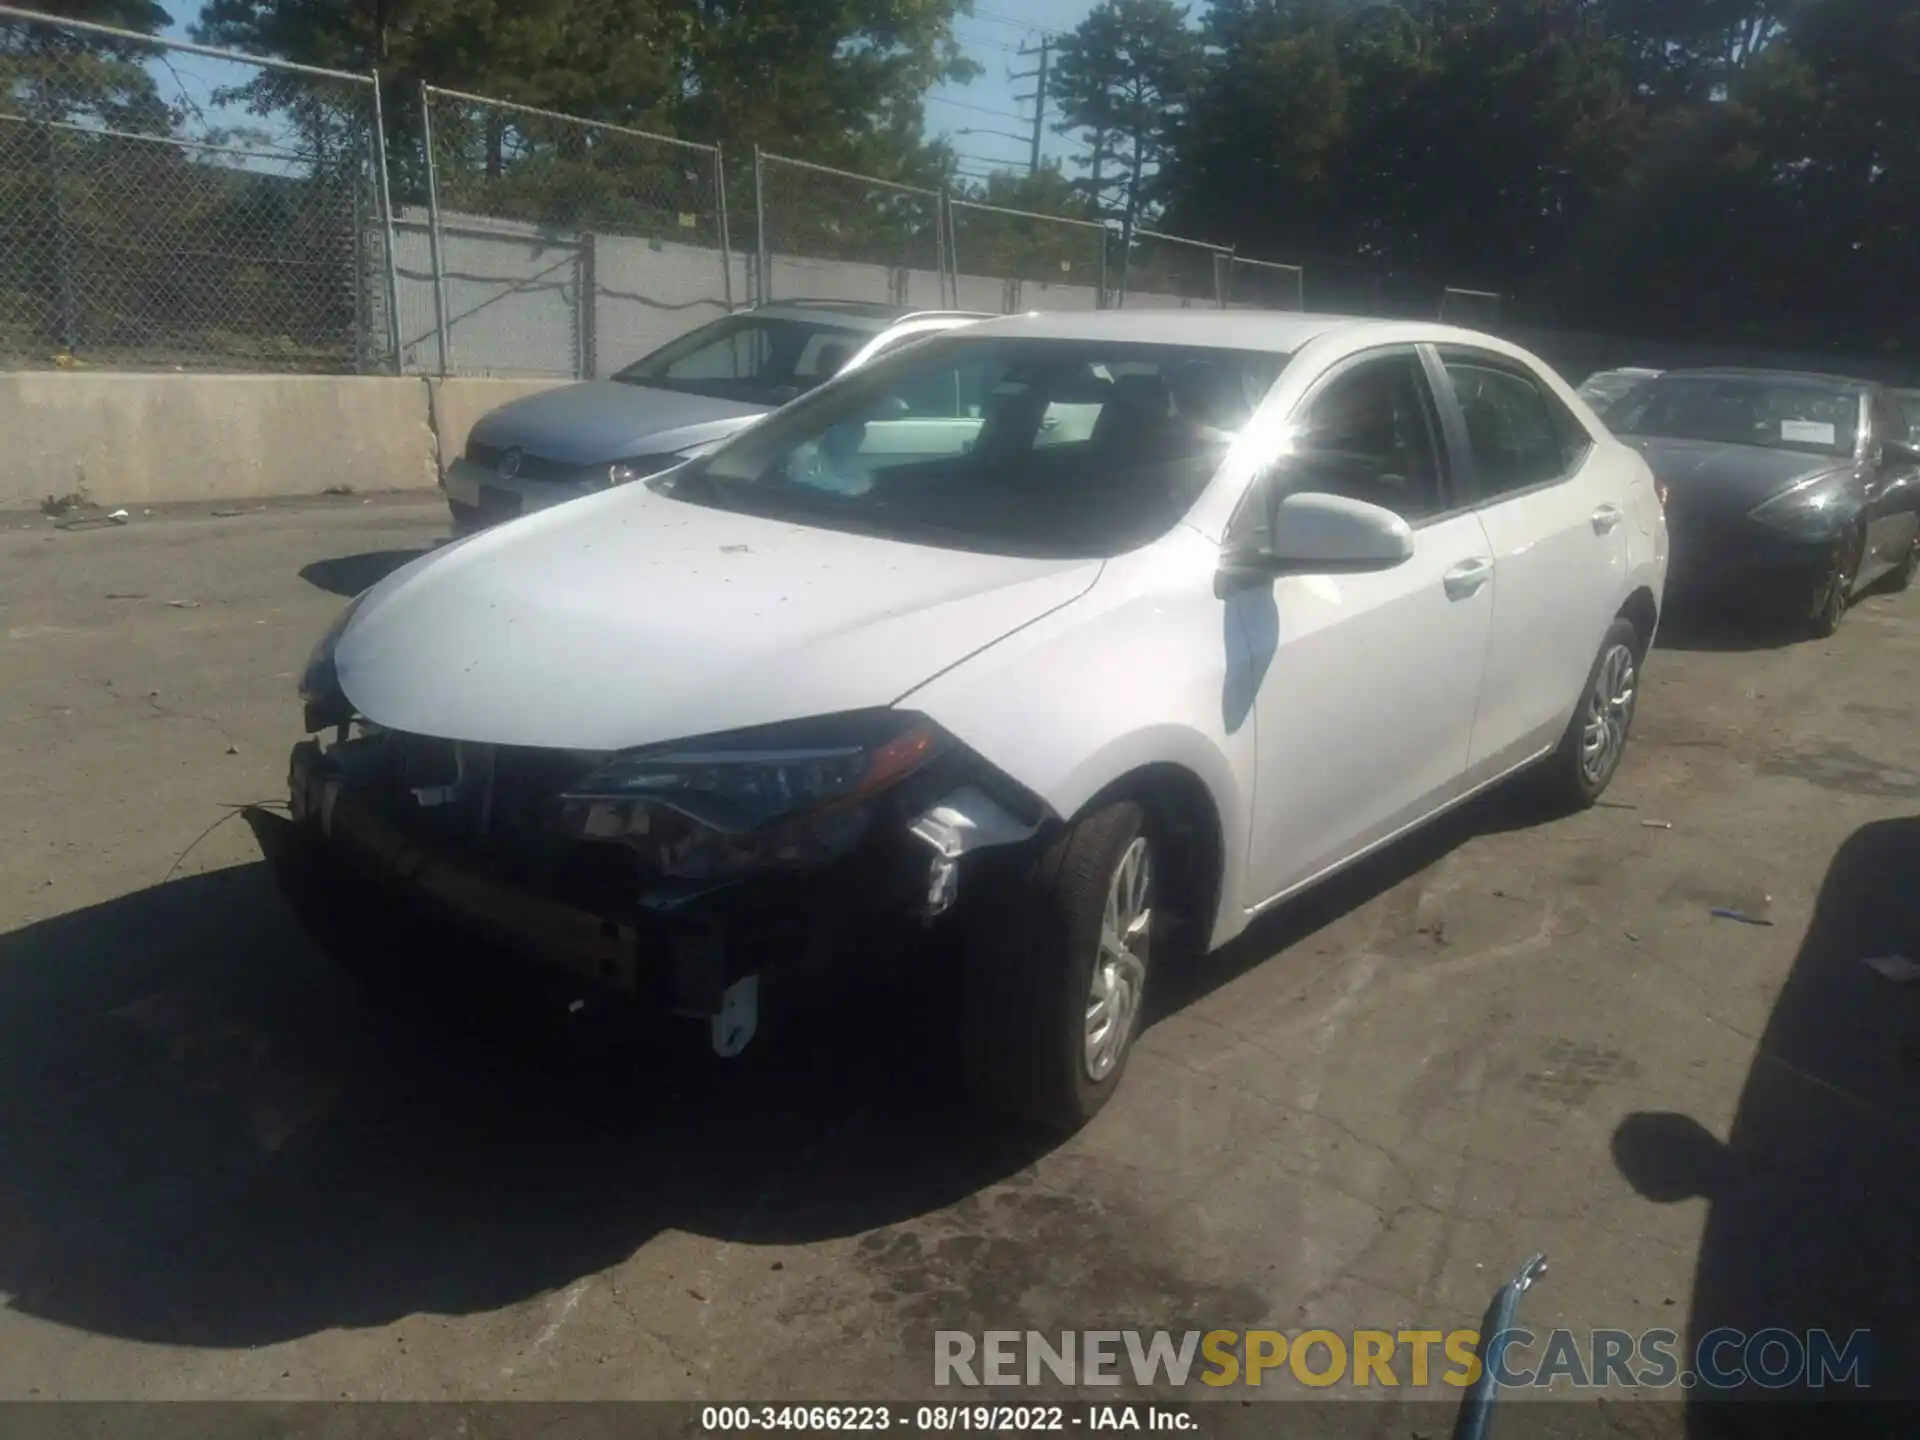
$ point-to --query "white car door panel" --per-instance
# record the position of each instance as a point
(1553, 506)
(1366, 712)
(1367, 682)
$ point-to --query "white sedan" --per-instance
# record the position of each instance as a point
(1027, 647)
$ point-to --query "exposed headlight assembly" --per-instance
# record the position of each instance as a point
(1815, 509)
(794, 795)
(326, 703)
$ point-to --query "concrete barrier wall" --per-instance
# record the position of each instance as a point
(138, 439)
(144, 439)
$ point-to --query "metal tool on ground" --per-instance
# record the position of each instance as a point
(1478, 1410)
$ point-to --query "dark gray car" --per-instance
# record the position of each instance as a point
(1785, 491)
(688, 395)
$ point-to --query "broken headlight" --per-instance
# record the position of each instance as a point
(793, 795)
(326, 703)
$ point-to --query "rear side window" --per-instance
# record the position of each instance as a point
(1520, 432)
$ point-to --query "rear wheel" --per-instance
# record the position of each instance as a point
(1056, 979)
(1579, 771)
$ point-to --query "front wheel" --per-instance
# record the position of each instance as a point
(1902, 575)
(1836, 589)
(1056, 978)
(1580, 769)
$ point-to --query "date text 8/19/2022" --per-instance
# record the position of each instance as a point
(947, 1419)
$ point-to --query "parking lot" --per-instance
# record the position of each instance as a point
(227, 1172)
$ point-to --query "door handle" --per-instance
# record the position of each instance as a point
(1606, 517)
(1466, 578)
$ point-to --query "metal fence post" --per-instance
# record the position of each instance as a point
(386, 223)
(726, 241)
(762, 262)
(441, 320)
(940, 250)
(586, 324)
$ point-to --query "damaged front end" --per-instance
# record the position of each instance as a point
(680, 875)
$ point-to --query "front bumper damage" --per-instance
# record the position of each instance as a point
(470, 856)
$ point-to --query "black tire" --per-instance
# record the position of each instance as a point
(1029, 976)
(1566, 780)
(1830, 601)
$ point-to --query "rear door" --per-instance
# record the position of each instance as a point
(1555, 515)
(1367, 682)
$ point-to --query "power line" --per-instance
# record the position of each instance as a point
(980, 109)
(995, 17)
(983, 43)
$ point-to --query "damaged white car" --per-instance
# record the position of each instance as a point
(1056, 638)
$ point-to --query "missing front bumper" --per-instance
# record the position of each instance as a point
(344, 860)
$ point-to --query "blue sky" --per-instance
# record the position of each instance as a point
(991, 36)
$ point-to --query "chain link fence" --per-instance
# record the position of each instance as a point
(165, 206)
(1265, 285)
(1168, 270)
(553, 245)
(826, 234)
(1011, 260)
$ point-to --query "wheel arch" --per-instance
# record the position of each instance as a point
(1643, 611)
(1183, 814)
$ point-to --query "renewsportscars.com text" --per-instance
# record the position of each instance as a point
(1723, 1359)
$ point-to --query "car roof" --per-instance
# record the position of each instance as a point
(867, 316)
(1739, 372)
(1274, 330)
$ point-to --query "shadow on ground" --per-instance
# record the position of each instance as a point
(350, 574)
(1705, 628)
(1814, 1199)
(212, 1136)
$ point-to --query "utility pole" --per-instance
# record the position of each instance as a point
(1039, 96)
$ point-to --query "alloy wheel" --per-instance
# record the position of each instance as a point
(1120, 969)
(1603, 739)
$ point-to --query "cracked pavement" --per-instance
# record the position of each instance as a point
(231, 1174)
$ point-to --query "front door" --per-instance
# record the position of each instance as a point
(1365, 705)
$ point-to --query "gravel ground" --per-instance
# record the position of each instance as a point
(228, 1173)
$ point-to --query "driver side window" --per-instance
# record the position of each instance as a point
(1371, 434)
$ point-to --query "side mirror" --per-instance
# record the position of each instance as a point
(1314, 533)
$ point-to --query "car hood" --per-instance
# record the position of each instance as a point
(628, 617)
(606, 420)
(1703, 477)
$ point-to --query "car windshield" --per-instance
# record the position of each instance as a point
(1778, 412)
(1003, 444)
(758, 358)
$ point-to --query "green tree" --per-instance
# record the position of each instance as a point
(1124, 78)
(70, 75)
(840, 80)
